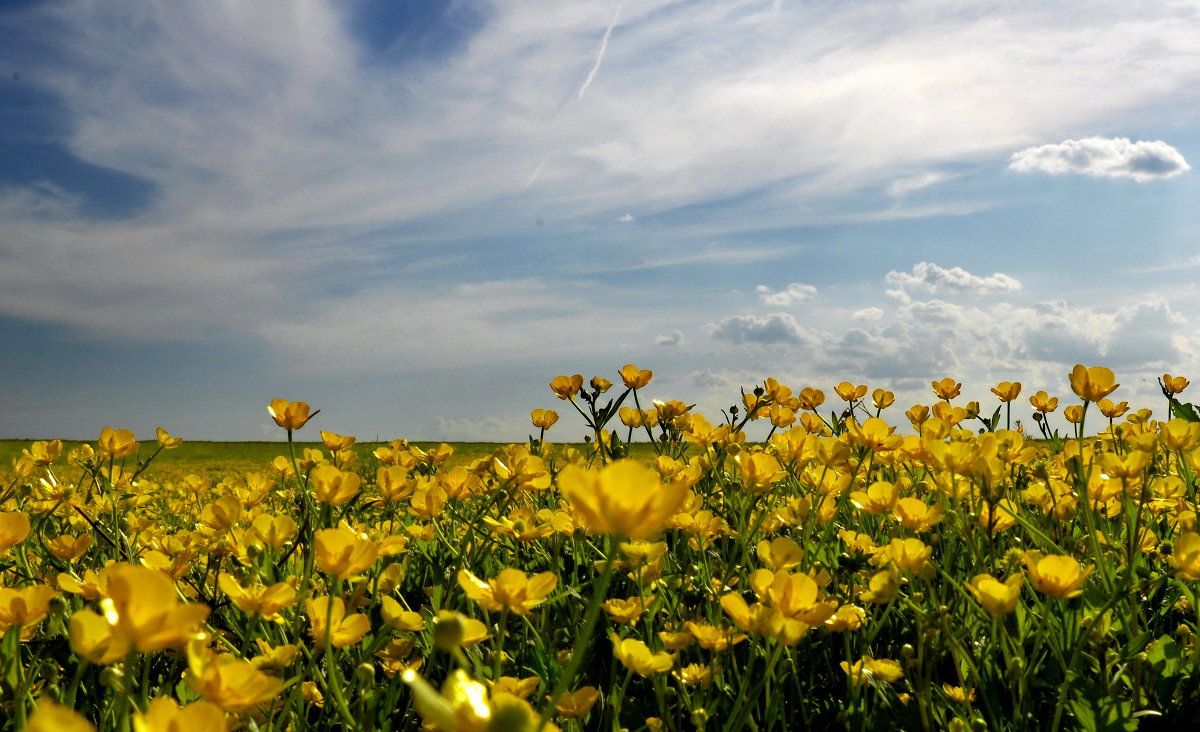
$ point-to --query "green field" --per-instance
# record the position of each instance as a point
(217, 459)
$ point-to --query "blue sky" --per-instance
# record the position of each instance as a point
(414, 215)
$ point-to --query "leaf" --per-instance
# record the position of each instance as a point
(1185, 411)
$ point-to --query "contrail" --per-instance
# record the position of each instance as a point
(600, 56)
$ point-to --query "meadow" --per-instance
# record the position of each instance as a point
(665, 574)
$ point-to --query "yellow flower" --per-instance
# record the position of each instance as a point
(780, 553)
(1007, 391)
(1185, 556)
(847, 617)
(166, 440)
(43, 452)
(849, 392)
(343, 553)
(959, 694)
(330, 613)
(394, 614)
(636, 656)
(625, 498)
(165, 715)
(117, 443)
(600, 385)
(144, 609)
(1179, 434)
(809, 398)
(878, 498)
(996, 597)
(869, 669)
(577, 703)
(907, 554)
(1112, 411)
(227, 681)
(24, 608)
(520, 688)
(1073, 413)
(14, 528)
(332, 486)
(759, 471)
(946, 388)
(543, 418)
(1056, 575)
(69, 548)
(336, 443)
(624, 611)
(257, 599)
(713, 638)
(463, 705)
(634, 377)
(1172, 385)
(566, 387)
(93, 638)
(510, 590)
(274, 531)
(1043, 402)
(882, 398)
(290, 415)
(913, 513)
(50, 717)
(274, 659)
(695, 674)
(1092, 384)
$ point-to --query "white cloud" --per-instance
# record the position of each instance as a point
(867, 314)
(903, 186)
(776, 328)
(674, 338)
(625, 219)
(794, 293)
(929, 277)
(1104, 158)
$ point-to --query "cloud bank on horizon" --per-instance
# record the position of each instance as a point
(424, 211)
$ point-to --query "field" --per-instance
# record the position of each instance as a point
(839, 574)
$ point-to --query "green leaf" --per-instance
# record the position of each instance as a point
(1185, 411)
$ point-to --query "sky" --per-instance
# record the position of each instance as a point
(413, 215)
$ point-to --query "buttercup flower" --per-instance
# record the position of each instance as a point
(947, 388)
(510, 590)
(543, 418)
(14, 528)
(996, 597)
(634, 377)
(289, 415)
(1007, 391)
(636, 656)
(1092, 384)
(165, 715)
(566, 387)
(117, 443)
(343, 629)
(1185, 557)
(1172, 385)
(343, 553)
(625, 498)
(1056, 575)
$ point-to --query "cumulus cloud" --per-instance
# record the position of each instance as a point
(1103, 157)
(867, 314)
(929, 277)
(793, 293)
(625, 219)
(767, 330)
(674, 338)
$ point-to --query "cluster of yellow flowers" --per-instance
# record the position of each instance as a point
(837, 570)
